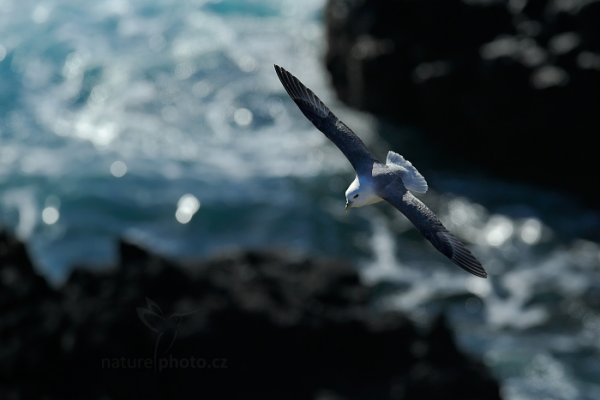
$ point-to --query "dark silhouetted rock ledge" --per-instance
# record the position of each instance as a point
(250, 325)
(508, 86)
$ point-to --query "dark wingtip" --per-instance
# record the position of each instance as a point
(475, 269)
(469, 263)
(462, 257)
(472, 266)
(478, 269)
(482, 274)
(279, 69)
(280, 72)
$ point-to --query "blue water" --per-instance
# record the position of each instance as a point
(163, 122)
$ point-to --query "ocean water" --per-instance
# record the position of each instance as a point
(163, 122)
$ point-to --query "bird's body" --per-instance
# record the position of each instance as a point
(374, 182)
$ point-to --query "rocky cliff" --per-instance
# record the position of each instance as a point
(511, 87)
(243, 325)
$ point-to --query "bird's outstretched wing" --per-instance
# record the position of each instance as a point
(431, 227)
(313, 108)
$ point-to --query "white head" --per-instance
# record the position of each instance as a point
(358, 195)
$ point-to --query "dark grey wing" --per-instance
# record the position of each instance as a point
(431, 227)
(313, 108)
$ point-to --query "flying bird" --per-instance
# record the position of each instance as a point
(374, 182)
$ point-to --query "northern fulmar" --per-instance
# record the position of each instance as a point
(393, 181)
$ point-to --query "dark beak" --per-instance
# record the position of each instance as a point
(348, 204)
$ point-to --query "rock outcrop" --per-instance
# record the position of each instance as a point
(511, 86)
(244, 325)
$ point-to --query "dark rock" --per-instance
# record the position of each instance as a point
(243, 325)
(509, 86)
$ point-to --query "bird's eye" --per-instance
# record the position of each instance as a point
(355, 196)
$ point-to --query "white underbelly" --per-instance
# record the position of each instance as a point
(372, 200)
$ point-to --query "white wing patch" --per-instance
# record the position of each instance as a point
(412, 179)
